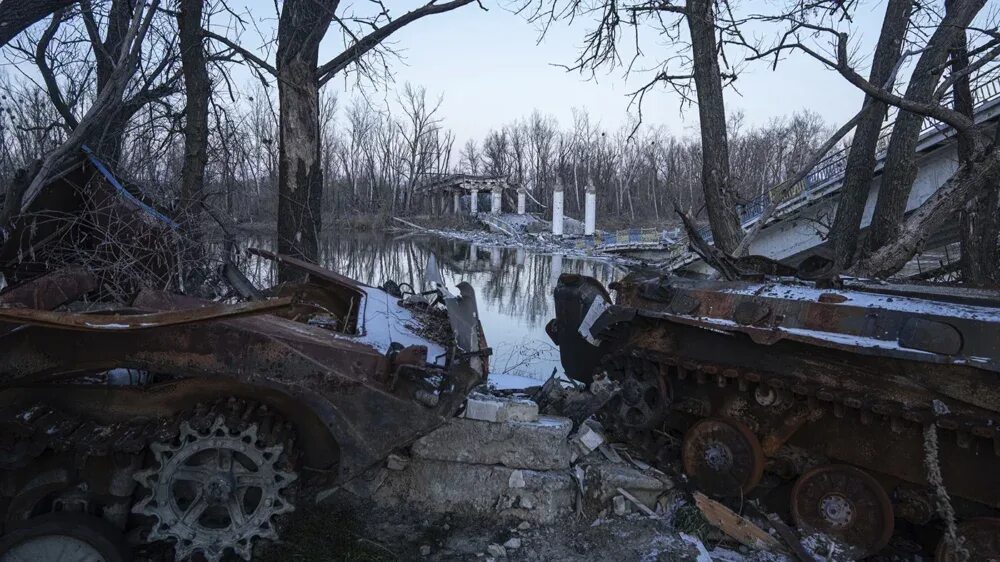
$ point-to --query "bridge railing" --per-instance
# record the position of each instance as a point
(832, 167)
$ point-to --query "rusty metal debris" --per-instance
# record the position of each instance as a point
(169, 426)
(828, 388)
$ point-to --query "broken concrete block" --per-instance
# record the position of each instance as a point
(516, 479)
(620, 505)
(425, 550)
(513, 544)
(537, 445)
(396, 462)
(450, 487)
(499, 409)
(496, 551)
(587, 439)
(604, 479)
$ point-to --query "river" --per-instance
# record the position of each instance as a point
(513, 288)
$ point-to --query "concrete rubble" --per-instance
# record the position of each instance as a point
(503, 459)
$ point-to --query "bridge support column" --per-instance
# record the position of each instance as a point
(557, 209)
(520, 200)
(495, 201)
(474, 204)
(457, 202)
(590, 210)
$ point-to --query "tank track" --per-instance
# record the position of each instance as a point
(29, 435)
(869, 408)
(700, 390)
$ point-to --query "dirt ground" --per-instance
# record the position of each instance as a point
(344, 530)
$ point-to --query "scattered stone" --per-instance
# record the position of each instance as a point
(516, 479)
(620, 505)
(513, 543)
(604, 480)
(425, 550)
(587, 439)
(498, 409)
(396, 462)
(524, 526)
(538, 445)
(496, 551)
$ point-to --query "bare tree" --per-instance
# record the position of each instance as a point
(896, 237)
(301, 28)
(861, 159)
(18, 15)
(198, 91)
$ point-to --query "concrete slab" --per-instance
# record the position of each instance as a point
(450, 487)
(537, 445)
(499, 409)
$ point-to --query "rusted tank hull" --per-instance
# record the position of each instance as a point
(811, 376)
(309, 387)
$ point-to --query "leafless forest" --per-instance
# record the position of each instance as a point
(149, 88)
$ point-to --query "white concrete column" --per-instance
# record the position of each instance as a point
(590, 210)
(557, 209)
(474, 205)
(519, 256)
(495, 201)
(495, 258)
(457, 202)
(520, 200)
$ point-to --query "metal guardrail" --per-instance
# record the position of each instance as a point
(832, 167)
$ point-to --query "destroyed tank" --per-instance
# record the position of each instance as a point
(854, 409)
(178, 428)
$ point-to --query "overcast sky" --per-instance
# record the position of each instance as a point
(491, 69)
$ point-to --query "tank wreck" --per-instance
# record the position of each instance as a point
(177, 427)
(855, 409)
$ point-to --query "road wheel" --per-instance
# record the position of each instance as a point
(845, 503)
(66, 537)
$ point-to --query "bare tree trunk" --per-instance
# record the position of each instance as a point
(302, 25)
(861, 159)
(971, 180)
(198, 89)
(720, 198)
(901, 167)
(980, 220)
(18, 15)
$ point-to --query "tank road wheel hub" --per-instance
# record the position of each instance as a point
(215, 490)
(845, 503)
(644, 400)
(722, 456)
(980, 538)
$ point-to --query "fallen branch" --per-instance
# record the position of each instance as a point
(408, 223)
(733, 525)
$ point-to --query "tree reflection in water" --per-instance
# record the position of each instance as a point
(513, 286)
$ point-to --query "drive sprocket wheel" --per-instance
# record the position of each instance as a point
(845, 503)
(723, 457)
(215, 489)
(981, 539)
(644, 399)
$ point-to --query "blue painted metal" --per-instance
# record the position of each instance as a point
(104, 171)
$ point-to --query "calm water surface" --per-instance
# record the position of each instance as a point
(513, 287)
